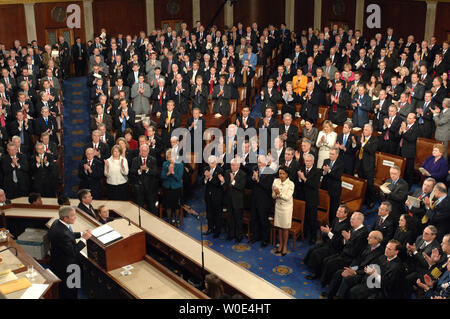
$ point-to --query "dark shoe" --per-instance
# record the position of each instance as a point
(264, 244)
(324, 294)
(209, 231)
(283, 254)
(311, 276)
(216, 235)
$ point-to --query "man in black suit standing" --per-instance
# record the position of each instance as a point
(261, 202)
(333, 168)
(291, 164)
(339, 102)
(408, 133)
(90, 173)
(170, 120)
(101, 150)
(44, 172)
(244, 121)
(425, 116)
(355, 240)
(365, 163)
(289, 132)
(398, 192)
(389, 126)
(79, 55)
(346, 150)
(266, 124)
(235, 180)
(214, 180)
(15, 172)
(332, 242)
(385, 222)
(65, 250)
(307, 189)
(420, 193)
(144, 173)
(85, 197)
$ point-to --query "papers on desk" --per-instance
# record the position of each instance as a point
(106, 234)
(35, 291)
(415, 202)
(385, 189)
(7, 276)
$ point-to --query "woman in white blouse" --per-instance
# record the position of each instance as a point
(325, 141)
(116, 172)
(282, 192)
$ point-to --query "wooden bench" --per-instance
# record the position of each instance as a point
(383, 163)
(323, 115)
(353, 192)
(323, 209)
(424, 148)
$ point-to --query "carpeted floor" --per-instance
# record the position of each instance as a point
(76, 128)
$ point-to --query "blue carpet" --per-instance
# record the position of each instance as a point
(76, 129)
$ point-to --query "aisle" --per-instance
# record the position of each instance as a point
(76, 129)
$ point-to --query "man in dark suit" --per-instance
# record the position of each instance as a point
(425, 116)
(101, 150)
(438, 212)
(79, 55)
(333, 168)
(385, 222)
(408, 133)
(307, 189)
(365, 162)
(388, 276)
(346, 150)
(266, 124)
(100, 117)
(64, 249)
(291, 164)
(44, 172)
(389, 126)
(381, 108)
(179, 92)
(355, 240)
(196, 126)
(221, 96)
(100, 88)
(244, 121)
(23, 128)
(310, 100)
(170, 120)
(90, 173)
(261, 202)
(361, 106)
(339, 102)
(199, 95)
(416, 263)
(85, 205)
(125, 118)
(420, 193)
(332, 242)
(144, 178)
(269, 96)
(344, 279)
(49, 147)
(415, 90)
(15, 172)
(235, 183)
(398, 192)
(214, 180)
(289, 132)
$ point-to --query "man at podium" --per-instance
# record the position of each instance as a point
(64, 248)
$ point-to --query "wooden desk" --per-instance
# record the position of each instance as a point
(187, 251)
(102, 284)
(19, 265)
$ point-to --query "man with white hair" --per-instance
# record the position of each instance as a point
(261, 202)
(3, 200)
(214, 179)
(160, 96)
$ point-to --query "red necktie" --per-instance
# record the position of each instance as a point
(90, 163)
(386, 135)
(2, 120)
(401, 141)
(95, 148)
(211, 87)
(143, 162)
(146, 133)
(412, 90)
(335, 104)
(161, 97)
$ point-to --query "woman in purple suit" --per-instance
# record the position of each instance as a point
(436, 165)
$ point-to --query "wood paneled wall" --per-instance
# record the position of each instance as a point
(208, 9)
(406, 17)
(12, 17)
(184, 13)
(264, 12)
(44, 20)
(304, 15)
(442, 26)
(339, 12)
(118, 16)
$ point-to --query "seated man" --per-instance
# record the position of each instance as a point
(438, 212)
(3, 200)
(85, 197)
(103, 215)
(398, 192)
(35, 199)
(331, 244)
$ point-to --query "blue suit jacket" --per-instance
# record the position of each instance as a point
(361, 113)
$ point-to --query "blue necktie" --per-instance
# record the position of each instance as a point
(345, 140)
(46, 121)
(22, 136)
(331, 165)
(124, 124)
(70, 227)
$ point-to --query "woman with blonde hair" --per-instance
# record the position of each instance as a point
(116, 172)
(325, 141)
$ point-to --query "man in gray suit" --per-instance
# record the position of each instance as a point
(415, 90)
(404, 108)
(442, 122)
(140, 93)
(329, 70)
(150, 66)
(54, 82)
(119, 87)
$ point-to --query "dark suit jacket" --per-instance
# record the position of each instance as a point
(292, 135)
(417, 262)
(250, 122)
(440, 217)
(214, 189)
(44, 176)
(397, 197)
(409, 137)
(387, 228)
(309, 190)
(310, 106)
(419, 93)
(235, 193)
(106, 119)
(349, 153)
(14, 130)
(367, 257)
(262, 190)
(147, 179)
(337, 242)
(356, 244)
(64, 249)
(391, 278)
(89, 211)
(222, 103)
(103, 148)
(340, 116)
(92, 180)
(21, 173)
(332, 180)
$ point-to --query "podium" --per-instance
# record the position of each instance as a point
(130, 248)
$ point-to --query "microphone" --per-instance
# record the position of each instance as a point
(8, 248)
